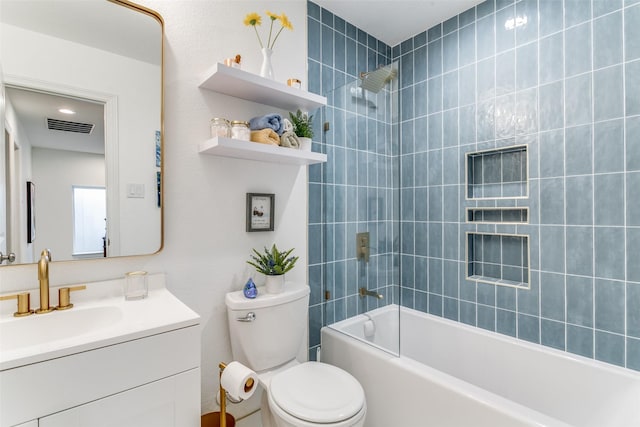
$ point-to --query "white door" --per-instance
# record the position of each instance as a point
(3, 192)
(9, 196)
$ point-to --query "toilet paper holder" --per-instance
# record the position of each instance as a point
(223, 401)
(222, 419)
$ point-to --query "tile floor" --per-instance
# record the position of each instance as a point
(252, 420)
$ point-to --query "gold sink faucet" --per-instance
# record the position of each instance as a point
(43, 278)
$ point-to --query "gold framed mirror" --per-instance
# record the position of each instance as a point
(81, 112)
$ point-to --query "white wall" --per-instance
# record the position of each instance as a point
(205, 245)
(54, 173)
(134, 85)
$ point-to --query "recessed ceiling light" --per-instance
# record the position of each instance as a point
(66, 111)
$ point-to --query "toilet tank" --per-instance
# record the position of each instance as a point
(275, 334)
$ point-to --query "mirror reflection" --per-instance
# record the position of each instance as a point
(80, 122)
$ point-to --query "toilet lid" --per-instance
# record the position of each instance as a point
(317, 392)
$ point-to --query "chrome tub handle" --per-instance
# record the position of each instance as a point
(250, 317)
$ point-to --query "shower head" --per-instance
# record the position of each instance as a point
(374, 81)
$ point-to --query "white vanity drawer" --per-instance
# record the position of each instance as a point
(36, 390)
(170, 402)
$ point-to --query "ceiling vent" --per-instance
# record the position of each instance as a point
(66, 126)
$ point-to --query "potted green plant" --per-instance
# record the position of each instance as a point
(303, 128)
(273, 263)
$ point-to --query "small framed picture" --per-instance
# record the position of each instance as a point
(158, 149)
(260, 212)
(159, 187)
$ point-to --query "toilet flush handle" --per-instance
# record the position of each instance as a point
(250, 317)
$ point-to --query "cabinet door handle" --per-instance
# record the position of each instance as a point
(250, 317)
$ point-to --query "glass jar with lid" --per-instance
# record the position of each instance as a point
(220, 128)
(240, 130)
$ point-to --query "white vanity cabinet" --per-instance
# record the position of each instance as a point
(169, 402)
(142, 369)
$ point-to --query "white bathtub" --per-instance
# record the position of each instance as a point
(451, 374)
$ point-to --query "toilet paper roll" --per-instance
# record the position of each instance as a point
(239, 381)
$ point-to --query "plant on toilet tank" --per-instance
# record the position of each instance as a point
(273, 263)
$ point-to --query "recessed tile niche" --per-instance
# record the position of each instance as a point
(498, 215)
(497, 173)
(500, 259)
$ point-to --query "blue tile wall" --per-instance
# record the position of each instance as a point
(355, 190)
(566, 83)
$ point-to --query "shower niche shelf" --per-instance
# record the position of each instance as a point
(252, 87)
(498, 259)
(498, 215)
(499, 173)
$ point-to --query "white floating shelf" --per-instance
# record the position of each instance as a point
(238, 149)
(252, 87)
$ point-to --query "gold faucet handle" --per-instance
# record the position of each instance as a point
(64, 299)
(24, 303)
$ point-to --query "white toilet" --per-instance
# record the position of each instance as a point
(266, 335)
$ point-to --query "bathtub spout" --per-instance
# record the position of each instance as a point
(366, 293)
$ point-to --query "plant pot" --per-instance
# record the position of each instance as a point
(274, 284)
(305, 143)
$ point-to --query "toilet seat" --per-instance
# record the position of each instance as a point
(317, 393)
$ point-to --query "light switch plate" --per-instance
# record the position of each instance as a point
(135, 191)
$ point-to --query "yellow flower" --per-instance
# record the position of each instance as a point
(252, 19)
(271, 15)
(285, 22)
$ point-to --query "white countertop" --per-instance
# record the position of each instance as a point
(100, 317)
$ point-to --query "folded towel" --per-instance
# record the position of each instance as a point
(290, 140)
(286, 125)
(268, 121)
(265, 136)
